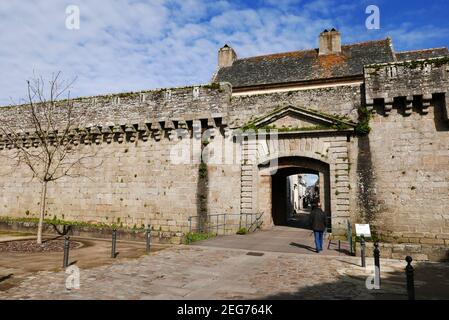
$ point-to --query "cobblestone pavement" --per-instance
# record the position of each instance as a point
(215, 273)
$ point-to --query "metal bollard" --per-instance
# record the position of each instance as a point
(351, 249)
(376, 254)
(362, 251)
(410, 272)
(66, 251)
(114, 240)
(148, 239)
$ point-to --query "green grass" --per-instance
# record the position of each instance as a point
(14, 234)
(242, 231)
(198, 236)
(60, 222)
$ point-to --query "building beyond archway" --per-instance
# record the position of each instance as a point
(279, 194)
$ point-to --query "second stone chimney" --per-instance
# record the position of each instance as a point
(226, 56)
(330, 42)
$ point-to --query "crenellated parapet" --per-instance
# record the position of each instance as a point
(128, 132)
(163, 106)
(127, 117)
(407, 86)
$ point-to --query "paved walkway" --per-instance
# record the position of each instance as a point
(277, 239)
(213, 273)
(274, 264)
(15, 267)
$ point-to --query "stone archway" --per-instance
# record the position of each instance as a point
(323, 152)
(287, 166)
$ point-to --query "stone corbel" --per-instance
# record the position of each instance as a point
(96, 134)
(224, 121)
(212, 128)
(108, 134)
(51, 136)
(170, 127)
(35, 140)
(118, 131)
(131, 132)
(196, 128)
(408, 108)
(211, 123)
(426, 102)
(72, 135)
(369, 104)
(62, 137)
(182, 124)
(144, 133)
(23, 137)
(26, 140)
(156, 128)
(87, 138)
(388, 105)
(9, 145)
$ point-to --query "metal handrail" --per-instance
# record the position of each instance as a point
(221, 222)
(257, 222)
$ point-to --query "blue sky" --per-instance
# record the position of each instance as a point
(311, 179)
(130, 45)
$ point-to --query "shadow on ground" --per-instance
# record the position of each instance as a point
(303, 246)
(431, 283)
(4, 278)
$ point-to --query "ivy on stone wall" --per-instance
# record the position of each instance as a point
(363, 128)
(340, 122)
(411, 64)
(202, 170)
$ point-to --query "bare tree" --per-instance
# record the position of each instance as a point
(43, 133)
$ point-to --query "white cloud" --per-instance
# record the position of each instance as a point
(128, 45)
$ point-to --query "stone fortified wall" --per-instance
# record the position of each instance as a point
(408, 152)
(133, 179)
(398, 177)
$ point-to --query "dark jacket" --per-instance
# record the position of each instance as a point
(318, 220)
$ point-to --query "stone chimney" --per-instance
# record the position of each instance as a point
(330, 42)
(226, 56)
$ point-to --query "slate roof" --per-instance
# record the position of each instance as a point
(422, 54)
(305, 65)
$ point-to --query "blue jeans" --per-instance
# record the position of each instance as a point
(318, 240)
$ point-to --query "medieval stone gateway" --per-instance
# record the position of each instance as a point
(371, 122)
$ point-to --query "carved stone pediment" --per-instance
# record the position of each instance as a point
(291, 117)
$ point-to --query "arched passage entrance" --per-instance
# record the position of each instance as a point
(324, 152)
(288, 166)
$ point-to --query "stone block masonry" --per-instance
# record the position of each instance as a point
(409, 152)
(396, 177)
(133, 181)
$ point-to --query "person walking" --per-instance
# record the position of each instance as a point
(318, 223)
